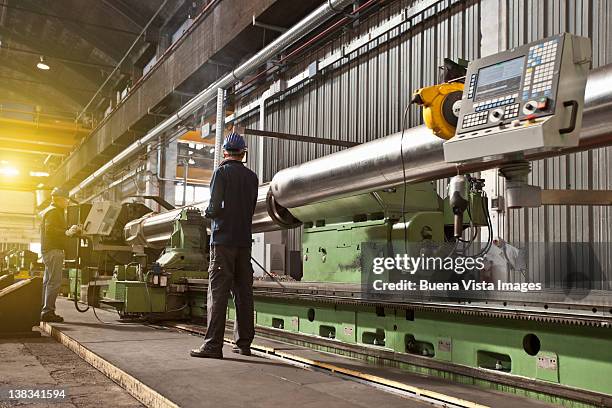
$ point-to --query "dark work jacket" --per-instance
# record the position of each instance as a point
(233, 195)
(53, 229)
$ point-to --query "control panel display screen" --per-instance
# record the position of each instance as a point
(499, 79)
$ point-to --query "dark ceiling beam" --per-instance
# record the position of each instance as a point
(105, 68)
(171, 9)
(127, 11)
(63, 18)
(91, 37)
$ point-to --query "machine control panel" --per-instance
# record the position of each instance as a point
(101, 218)
(525, 99)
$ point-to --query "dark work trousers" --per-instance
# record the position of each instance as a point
(230, 270)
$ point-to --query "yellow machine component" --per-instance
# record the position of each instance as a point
(440, 107)
(22, 274)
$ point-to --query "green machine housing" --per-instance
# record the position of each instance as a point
(159, 287)
(339, 235)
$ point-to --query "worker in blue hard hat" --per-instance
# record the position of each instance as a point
(53, 241)
(233, 195)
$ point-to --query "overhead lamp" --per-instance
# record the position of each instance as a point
(42, 65)
(190, 161)
(39, 174)
(9, 171)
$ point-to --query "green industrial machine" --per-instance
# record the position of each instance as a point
(188, 243)
(341, 236)
(143, 286)
(332, 247)
(154, 281)
(500, 346)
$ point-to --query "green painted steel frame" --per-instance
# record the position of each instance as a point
(573, 356)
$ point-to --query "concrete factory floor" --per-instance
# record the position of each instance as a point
(154, 360)
(43, 363)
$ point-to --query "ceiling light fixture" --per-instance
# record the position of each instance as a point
(39, 174)
(42, 65)
(9, 171)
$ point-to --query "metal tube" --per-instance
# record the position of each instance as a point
(185, 170)
(157, 229)
(378, 164)
(310, 22)
(219, 127)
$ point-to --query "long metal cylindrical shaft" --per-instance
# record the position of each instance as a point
(381, 163)
(378, 164)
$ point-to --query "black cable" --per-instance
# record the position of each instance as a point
(268, 273)
(76, 277)
(74, 294)
(485, 209)
(404, 177)
(93, 308)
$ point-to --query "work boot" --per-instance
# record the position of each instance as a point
(202, 353)
(51, 317)
(241, 351)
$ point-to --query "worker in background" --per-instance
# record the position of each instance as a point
(53, 239)
(233, 195)
(503, 260)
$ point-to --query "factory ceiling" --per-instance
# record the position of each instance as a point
(80, 43)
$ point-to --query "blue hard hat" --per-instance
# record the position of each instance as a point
(234, 143)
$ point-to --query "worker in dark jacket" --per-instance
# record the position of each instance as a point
(233, 195)
(53, 239)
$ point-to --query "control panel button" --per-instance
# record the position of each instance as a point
(496, 115)
(530, 107)
(543, 103)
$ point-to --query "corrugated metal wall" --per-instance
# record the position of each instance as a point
(364, 99)
(584, 230)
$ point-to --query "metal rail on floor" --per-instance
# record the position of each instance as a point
(378, 382)
(321, 343)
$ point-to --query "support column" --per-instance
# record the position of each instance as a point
(220, 126)
(493, 26)
(169, 157)
(152, 183)
(260, 140)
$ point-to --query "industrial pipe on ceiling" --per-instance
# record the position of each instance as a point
(306, 25)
